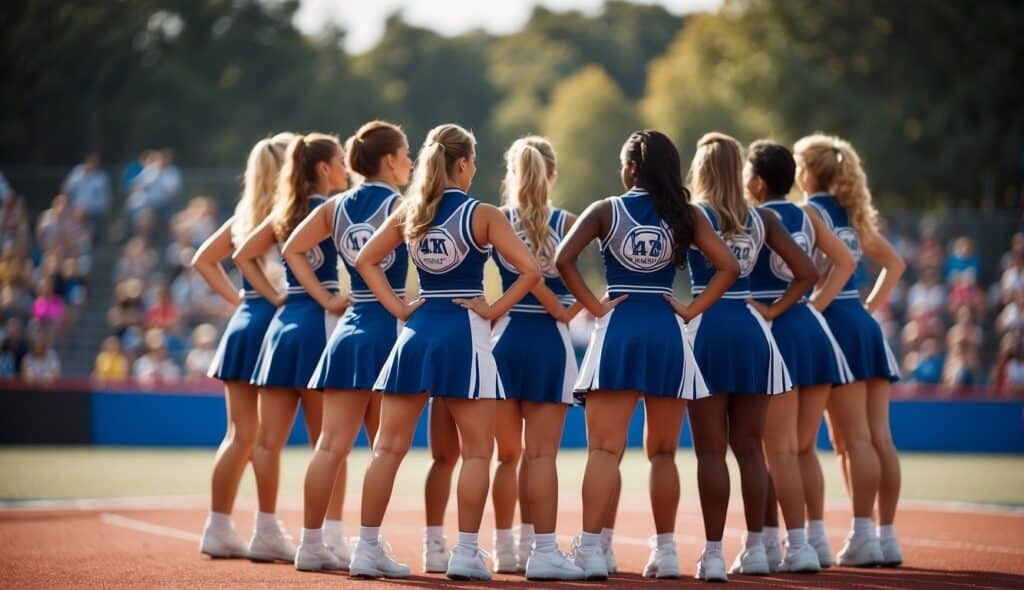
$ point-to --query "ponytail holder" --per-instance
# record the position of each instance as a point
(837, 151)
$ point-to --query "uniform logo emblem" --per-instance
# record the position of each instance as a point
(646, 248)
(547, 265)
(436, 252)
(315, 257)
(779, 267)
(742, 247)
(353, 240)
(849, 237)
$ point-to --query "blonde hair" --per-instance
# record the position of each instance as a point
(836, 166)
(716, 177)
(530, 168)
(259, 184)
(444, 145)
(298, 179)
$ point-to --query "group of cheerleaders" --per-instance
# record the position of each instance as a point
(775, 335)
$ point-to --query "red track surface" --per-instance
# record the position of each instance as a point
(46, 548)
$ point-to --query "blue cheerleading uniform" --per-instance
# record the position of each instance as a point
(640, 345)
(364, 336)
(732, 342)
(527, 336)
(298, 332)
(239, 347)
(444, 349)
(812, 354)
(858, 334)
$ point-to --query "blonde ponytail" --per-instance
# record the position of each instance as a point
(259, 184)
(444, 146)
(298, 179)
(836, 167)
(530, 169)
(716, 177)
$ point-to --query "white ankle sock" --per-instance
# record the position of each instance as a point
(468, 541)
(815, 529)
(219, 522)
(590, 539)
(666, 540)
(369, 535)
(770, 535)
(606, 537)
(713, 547)
(886, 531)
(751, 539)
(266, 521)
(434, 532)
(796, 538)
(862, 527)
(503, 536)
(545, 543)
(526, 534)
(312, 536)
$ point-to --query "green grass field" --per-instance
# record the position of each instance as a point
(101, 472)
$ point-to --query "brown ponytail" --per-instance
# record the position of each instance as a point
(373, 141)
(298, 179)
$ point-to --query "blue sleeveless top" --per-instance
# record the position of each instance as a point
(448, 260)
(509, 274)
(357, 214)
(637, 251)
(771, 276)
(745, 247)
(838, 222)
(323, 258)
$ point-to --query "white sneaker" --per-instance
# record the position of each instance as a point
(552, 565)
(523, 551)
(314, 558)
(863, 552)
(823, 549)
(892, 554)
(610, 563)
(752, 561)
(341, 547)
(436, 556)
(467, 565)
(506, 558)
(663, 563)
(711, 567)
(226, 543)
(375, 561)
(272, 545)
(773, 552)
(801, 560)
(591, 560)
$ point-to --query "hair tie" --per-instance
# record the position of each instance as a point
(837, 151)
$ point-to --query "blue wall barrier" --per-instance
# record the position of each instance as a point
(180, 419)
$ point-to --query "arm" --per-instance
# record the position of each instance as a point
(255, 246)
(882, 252)
(313, 229)
(207, 259)
(490, 222)
(718, 253)
(383, 241)
(804, 275)
(843, 263)
(594, 222)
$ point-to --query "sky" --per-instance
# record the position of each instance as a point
(364, 19)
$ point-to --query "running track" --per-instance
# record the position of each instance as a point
(152, 543)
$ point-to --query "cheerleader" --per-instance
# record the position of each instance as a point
(810, 351)
(737, 354)
(236, 354)
(830, 174)
(639, 348)
(444, 349)
(537, 366)
(361, 341)
(314, 166)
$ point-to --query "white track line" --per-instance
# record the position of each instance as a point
(148, 527)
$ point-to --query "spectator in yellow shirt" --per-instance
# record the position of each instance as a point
(111, 363)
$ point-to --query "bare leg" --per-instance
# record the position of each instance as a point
(277, 407)
(234, 452)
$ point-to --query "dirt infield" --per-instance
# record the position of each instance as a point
(153, 544)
